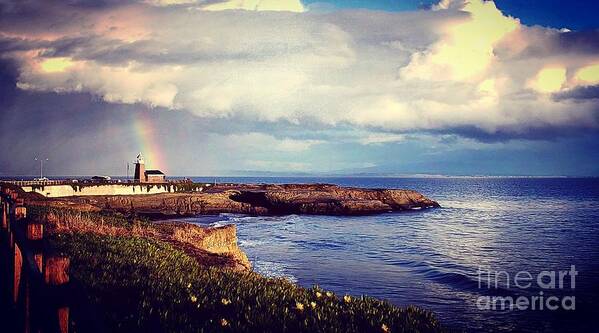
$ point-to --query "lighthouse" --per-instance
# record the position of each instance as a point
(140, 169)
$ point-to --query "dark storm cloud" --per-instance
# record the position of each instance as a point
(24, 16)
(561, 42)
(36, 6)
(98, 3)
(14, 44)
(578, 41)
(8, 82)
(579, 93)
(540, 133)
(239, 83)
(53, 126)
(83, 135)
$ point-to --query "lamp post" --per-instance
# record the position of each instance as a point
(41, 166)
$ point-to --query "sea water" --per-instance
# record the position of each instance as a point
(441, 259)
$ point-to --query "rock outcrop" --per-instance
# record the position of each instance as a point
(321, 199)
(211, 246)
(217, 246)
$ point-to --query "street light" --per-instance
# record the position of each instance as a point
(41, 166)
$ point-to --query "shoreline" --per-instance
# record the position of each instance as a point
(252, 199)
(104, 241)
(212, 245)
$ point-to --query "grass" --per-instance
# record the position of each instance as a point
(148, 286)
(65, 220)
(142, 284)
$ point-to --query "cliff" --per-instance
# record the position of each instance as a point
(218, 246)
(210, 246)
(321, 199)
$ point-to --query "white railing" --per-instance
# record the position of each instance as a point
(35, 182)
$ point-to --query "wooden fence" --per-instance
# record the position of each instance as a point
(36, 289)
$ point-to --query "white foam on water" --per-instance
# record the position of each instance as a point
(273, 269)
(250, 243)
(239, 218)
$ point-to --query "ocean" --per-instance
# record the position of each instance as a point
(532, 240)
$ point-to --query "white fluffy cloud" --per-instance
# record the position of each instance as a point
(464, 65)
(466, 49)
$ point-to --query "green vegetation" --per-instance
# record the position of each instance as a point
(141, 284)
(146, 285)
(77, 220)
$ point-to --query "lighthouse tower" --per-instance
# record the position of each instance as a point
(140, 169)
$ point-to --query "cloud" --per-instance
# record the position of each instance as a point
(579, 93)
(218, 5)
(549, 79)
(379, 138)
(258, 5)
(258, 141)
(465, 50)
(588, 74)
(54, 65)
(277, 165)
(463, 68)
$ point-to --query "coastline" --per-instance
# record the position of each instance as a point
(88, 228)
(254, 199)
(218, 245)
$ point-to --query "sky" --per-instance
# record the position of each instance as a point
(574, 15)
(242, 87)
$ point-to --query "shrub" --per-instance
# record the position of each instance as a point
(146, 285)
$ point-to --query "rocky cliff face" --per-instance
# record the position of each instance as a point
(210, 246)
(320, 199)
(334, 200)
(220, 241)
(218, 246)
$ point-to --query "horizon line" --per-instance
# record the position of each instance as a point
(291, 175)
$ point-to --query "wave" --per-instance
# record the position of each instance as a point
(250, 243)
(459, 279)
(273, 269)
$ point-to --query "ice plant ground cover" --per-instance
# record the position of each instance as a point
(139, 284)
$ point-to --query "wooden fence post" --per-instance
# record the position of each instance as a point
(4, 214)
(17, 270)
(6, 252)
(20, 210)
(15, 257)
(38, 281)
(34, 234)
(56, 273)
(20, 213)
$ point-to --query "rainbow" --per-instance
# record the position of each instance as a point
(149, 146)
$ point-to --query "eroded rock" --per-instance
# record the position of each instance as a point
(321, 199)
